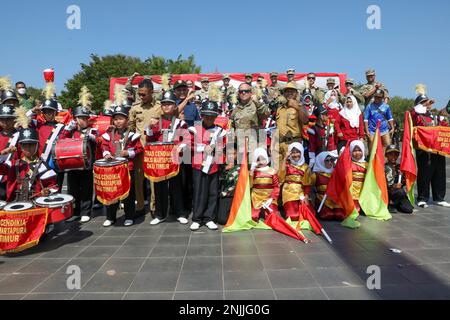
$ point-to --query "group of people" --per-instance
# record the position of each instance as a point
(305, 130)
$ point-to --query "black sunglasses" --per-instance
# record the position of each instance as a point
(245, 91)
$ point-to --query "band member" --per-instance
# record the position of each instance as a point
(265, 185)
(321, 135)
(8, 140)
(398, 199)
(350, 123)
(81, 182)
(323, 168)
(28, 176)
(207, 145)
(119, 141)
(431, 167)
(359, 166)
(297, 184)
(167, 129)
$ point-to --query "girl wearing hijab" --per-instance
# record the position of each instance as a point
(297, 184)
(350, 123)
(332, 104)
(265, 187)
(359, 165)
(323, 168)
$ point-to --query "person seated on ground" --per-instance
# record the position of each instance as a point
(265, 187)
(228, 180)
(398, 199)
(359, 166)
(323, 169)
(297, 184)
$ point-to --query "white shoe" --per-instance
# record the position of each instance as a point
(107, 223)
(194, 226)
(156, 221)
(422, 204)
(443, 204)
(85, 219)
(182, 220)
(128, 223)
(211, 225)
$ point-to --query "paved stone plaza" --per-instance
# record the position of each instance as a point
(171, 262)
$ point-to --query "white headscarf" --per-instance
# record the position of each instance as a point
(319, 165)
(334, 104)
(352, 115)
(358, 143)
(259, 152)
(299, 147)
(420, 109)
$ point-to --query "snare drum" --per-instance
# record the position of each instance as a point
(18, 206)
(110, 163)
(60, 206)
(72, 154)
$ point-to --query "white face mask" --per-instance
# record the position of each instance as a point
(22, 91)
(441, 118)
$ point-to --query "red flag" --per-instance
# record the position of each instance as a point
(307, 213)
(277, 223)
(408, 160)
(340, 182)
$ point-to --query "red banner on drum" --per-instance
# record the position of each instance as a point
(22, 229)
(159, 164)
(112, 183)
(433, 139)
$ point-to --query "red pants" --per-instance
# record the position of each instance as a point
(256, 212)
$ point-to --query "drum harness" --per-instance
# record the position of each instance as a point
(23, 194)
(121, 143)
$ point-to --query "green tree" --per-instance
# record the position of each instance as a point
(399, 106)
(36, 93)
(97, 74)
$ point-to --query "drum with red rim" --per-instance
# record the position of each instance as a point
(72, 154)
(60, 206)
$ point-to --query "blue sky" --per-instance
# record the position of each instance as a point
(412, 47)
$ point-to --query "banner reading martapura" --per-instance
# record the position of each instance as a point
(21, 230)
(433, 139)
(160, 162)
(112, 183)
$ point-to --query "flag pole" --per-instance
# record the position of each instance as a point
(322, 203)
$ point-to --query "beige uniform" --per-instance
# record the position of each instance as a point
(289, 130)
(249, 116)
(140, 115)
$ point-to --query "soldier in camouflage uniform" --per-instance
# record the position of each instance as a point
(227, 89)
(274, 87)
(203, 92)
(368, 90)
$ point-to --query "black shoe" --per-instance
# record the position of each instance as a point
(73, 219)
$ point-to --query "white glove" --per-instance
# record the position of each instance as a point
(267, 203)
(72, 125)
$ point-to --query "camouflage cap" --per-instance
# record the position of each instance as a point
(331, 81)
(349, 80)
(204, 79)
(392, 148)
(249, 75)
(379, 93)
(370, 72)
(226, 76)
(290, 71)
(274, 74)
(180, 83)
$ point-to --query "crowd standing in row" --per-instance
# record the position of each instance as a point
(306, 129)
